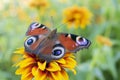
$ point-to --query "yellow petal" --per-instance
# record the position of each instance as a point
(69, 55)
(61, 61)
(19, 71)
(28, 76)
(73, 70)
(57, 75)
(20, 51)
(26, 56)
(24, 70)
(42, 66)
(49, 77)
(70, 63)
(40, 75)
(27, 62)
(53, 66)
(27, 70)
(64, 74)
(17, 64)
(34, 69)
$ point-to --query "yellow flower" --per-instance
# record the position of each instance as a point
(22, 15)
(79, 16)
(104, 40)
(98, 18)
(30, 67)
(39, 3)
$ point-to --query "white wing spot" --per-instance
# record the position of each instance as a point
(69, 35)
(43, 27)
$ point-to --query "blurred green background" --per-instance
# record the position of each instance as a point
(100, 62)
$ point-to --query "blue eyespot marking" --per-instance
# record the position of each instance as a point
(57, 52)
(34, 25)
(30, 41)
(82, 41)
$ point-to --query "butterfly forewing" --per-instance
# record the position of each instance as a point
(73, 43)
(37, 29)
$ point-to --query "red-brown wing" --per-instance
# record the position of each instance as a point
(37, 29)
(73, 43)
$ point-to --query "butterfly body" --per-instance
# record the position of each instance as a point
(50, 45)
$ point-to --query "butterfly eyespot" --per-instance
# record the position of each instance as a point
(34, 25)
(82, 41)
(30, 41)
(58, 51)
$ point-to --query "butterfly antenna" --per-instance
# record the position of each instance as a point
(58, 25)
(52, 21)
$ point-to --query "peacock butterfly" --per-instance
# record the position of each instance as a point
(49, 45)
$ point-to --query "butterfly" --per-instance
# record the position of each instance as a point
(51, 45)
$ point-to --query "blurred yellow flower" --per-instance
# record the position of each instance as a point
(22, 15)
(104, 40)
(96, 6)
(79, 16)
(30, 67)
(99, 18)
(39, 3)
